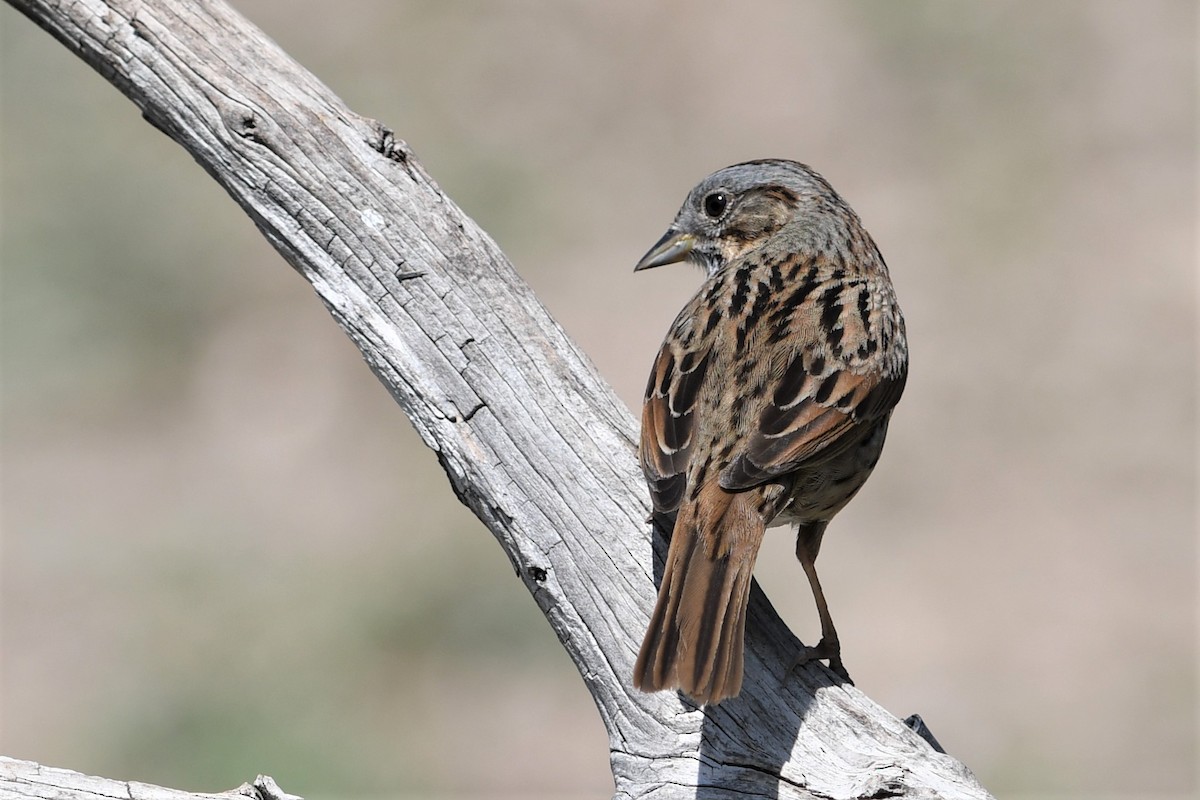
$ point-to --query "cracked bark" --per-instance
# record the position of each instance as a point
(531, 438)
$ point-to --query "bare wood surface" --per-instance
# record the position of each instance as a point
(532, 439)
(23, 780)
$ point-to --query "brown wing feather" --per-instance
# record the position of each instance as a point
(820, 405)
(668, 422)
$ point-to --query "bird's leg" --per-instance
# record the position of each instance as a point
(808, 544)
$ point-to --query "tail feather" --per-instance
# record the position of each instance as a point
(696, 637)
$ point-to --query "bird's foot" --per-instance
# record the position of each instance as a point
(825, 650)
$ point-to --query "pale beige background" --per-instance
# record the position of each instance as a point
(225, 552)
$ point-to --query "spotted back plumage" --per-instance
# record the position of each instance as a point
(770, 395)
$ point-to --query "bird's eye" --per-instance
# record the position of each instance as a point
(715, 203)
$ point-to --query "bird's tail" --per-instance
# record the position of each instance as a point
(696, 637)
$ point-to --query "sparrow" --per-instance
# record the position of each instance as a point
(768, 403)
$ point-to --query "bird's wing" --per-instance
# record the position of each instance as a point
(795, 431)
(823, 394)
(668, 414)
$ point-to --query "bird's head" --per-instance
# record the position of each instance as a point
(736, 209)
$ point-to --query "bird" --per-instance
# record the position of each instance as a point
(768, 403)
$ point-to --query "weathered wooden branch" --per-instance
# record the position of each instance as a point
(22, 780)
(532, 439)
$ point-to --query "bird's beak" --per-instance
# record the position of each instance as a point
(672, 247)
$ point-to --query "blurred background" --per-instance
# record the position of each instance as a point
(225, 552)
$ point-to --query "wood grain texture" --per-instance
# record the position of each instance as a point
(22, 780)
(531, 438)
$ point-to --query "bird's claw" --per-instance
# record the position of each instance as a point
(824, 650)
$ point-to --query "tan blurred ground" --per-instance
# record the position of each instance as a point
(225, 552)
